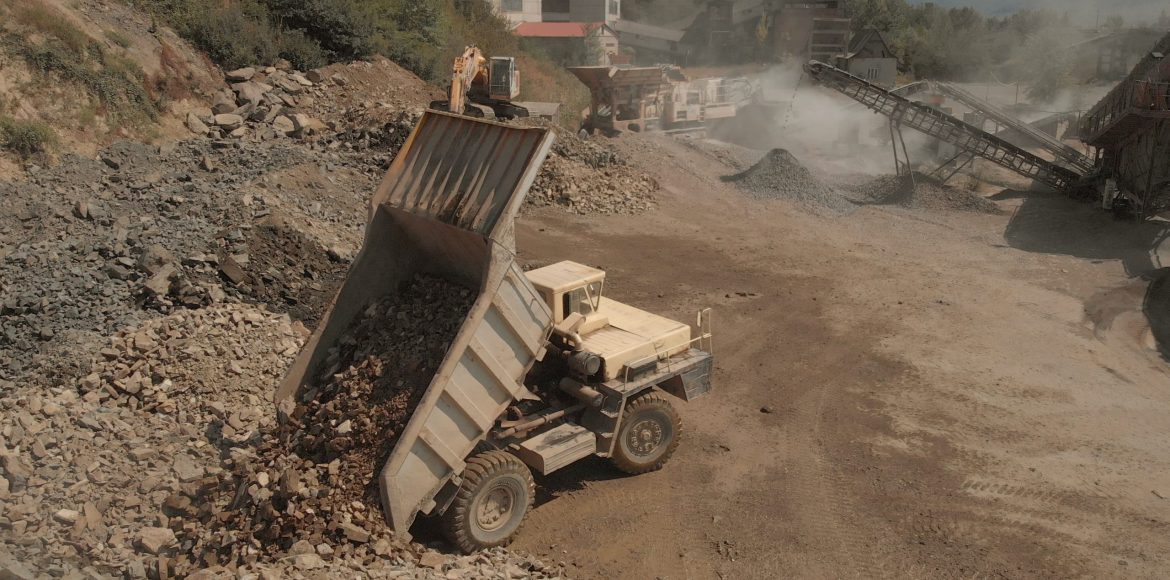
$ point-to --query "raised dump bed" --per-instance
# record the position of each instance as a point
(446, 208)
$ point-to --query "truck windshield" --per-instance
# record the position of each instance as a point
(584, 300)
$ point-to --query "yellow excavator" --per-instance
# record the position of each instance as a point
(479, 82)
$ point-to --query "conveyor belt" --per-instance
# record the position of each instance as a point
(944, 127)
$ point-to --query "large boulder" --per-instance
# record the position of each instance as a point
(241, 75)
(195, 124)
(229, 121)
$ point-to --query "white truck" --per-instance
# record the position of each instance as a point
(544, 370)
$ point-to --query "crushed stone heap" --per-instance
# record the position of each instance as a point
(779, 175)
(923, 192)
(313, 478)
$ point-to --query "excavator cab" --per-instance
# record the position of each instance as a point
(503, 78)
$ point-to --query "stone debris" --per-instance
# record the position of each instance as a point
(779, 175)
(261, 104)
(307, 481)
(588, 177)
(923, 192)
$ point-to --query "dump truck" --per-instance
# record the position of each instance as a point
(545, 369)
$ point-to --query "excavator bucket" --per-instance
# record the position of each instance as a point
(446, 208)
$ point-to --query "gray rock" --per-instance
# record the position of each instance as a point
(195, 124)
(229, 121)
(156, 540)
(241, 74)
(186, 468)
(250, 92)
(154, 259)
(284, 125)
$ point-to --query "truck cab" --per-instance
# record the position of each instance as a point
(624, 338)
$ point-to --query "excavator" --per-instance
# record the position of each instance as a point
(479, 82)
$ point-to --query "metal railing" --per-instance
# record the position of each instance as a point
(1131, 97)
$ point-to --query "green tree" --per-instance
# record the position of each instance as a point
(1045, 62)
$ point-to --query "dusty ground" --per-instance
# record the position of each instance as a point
(950, 394)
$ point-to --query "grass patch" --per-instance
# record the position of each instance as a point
(118, 38)
(51, 23)
(26, 138)
(116, 82)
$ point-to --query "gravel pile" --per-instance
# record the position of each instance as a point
(779, 175)
(588, 177)
(923, 192)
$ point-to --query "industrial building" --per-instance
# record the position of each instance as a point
(870, 58)
(770, 30)
(1130, 128)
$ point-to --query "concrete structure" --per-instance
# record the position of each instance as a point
(810, 30)
(870, 58)
(770, 30)
(608, 11)
(578, 43)
(517, 11)
(651, 44)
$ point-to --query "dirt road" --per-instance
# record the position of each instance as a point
(900, 393)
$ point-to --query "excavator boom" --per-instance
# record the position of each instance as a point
(477, 80)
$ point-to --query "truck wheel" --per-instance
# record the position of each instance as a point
(648, 435)
(496, 493)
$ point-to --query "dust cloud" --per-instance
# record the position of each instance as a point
(825, 130)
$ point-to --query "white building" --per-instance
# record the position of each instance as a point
(518, 11)
(607, 11)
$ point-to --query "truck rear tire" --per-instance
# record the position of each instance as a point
(489, 508)
(648, 435)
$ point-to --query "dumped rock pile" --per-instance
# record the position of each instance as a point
(586, 177)
(313, 480)
(923, 192)
(779, 175)
(107, 481)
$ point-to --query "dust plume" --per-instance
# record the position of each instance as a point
(825, 130)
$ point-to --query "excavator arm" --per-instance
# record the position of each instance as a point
(468, 66)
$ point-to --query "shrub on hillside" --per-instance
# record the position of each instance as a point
(25, 138)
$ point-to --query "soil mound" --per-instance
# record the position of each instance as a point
(779, 175)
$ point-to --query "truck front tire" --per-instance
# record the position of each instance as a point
(496, 493)
(648, 435)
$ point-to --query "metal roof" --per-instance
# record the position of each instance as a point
(648, 31)
(609, 76)
(556, 29)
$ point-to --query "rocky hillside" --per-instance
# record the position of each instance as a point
(169, 235)
(88, 72)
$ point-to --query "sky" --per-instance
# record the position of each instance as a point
(1082, 12)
